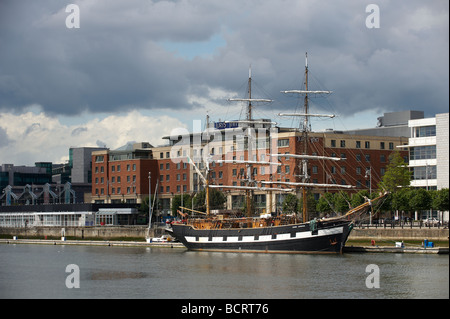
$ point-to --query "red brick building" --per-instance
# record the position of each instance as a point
(122, 175)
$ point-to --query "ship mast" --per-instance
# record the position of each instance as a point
(305, 176)
(305, 130)
(249, 120)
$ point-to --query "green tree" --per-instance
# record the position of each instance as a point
(216, 200)
(325, 204)
(419, 199)
(400, 200)
(397, 174)
(341, 202)
(358, 198)
(440, 199)
(176, 202)
(290, 204)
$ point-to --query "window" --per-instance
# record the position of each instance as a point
(358, 170)
(161, 166)
(333, 143)
(167, 165)
(113, 168)
(367, 144)
(283, 143)
(128, 167)
(287, 169)
(382, 145)
(234, 171)
(424, 172)
(134, 167)
(425, 131)
(358, 157)
(342, 143)
(343, 170)
(422, 152)
(161, 155)
(382, 158)
(315, 170)
(358, 144)
(167, 178)
(391, 145)
(99, 159)
(343, 156)
(367, 157)
(167, 154)
(118, 168)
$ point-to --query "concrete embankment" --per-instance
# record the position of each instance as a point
(398, 233)
(397, 250)
(94, 232)
(93, 243)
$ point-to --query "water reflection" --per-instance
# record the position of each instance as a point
(35, 271)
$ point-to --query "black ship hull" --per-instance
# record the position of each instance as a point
(321, 237)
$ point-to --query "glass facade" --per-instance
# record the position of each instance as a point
(424, 172)
(422, 152)
(425, 131)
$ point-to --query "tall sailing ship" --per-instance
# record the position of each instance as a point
(271, 234)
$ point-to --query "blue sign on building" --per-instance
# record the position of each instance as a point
(224, 125)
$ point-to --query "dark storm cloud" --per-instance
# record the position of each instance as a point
(115, 60)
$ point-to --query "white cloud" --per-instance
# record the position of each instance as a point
(34, 137)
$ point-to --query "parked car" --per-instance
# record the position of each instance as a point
(430, 222)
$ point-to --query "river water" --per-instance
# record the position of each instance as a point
(39, 271)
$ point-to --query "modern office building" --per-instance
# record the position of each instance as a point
(429, 156)
(23, 175)
(428, 152)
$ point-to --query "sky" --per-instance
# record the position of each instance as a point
(135, 70)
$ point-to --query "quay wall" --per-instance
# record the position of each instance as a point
(116, 232)
(433, 233)
(101, 232)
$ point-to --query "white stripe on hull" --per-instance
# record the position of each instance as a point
(265, 238)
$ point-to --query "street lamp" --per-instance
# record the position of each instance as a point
(149, 205)
(369, 174)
